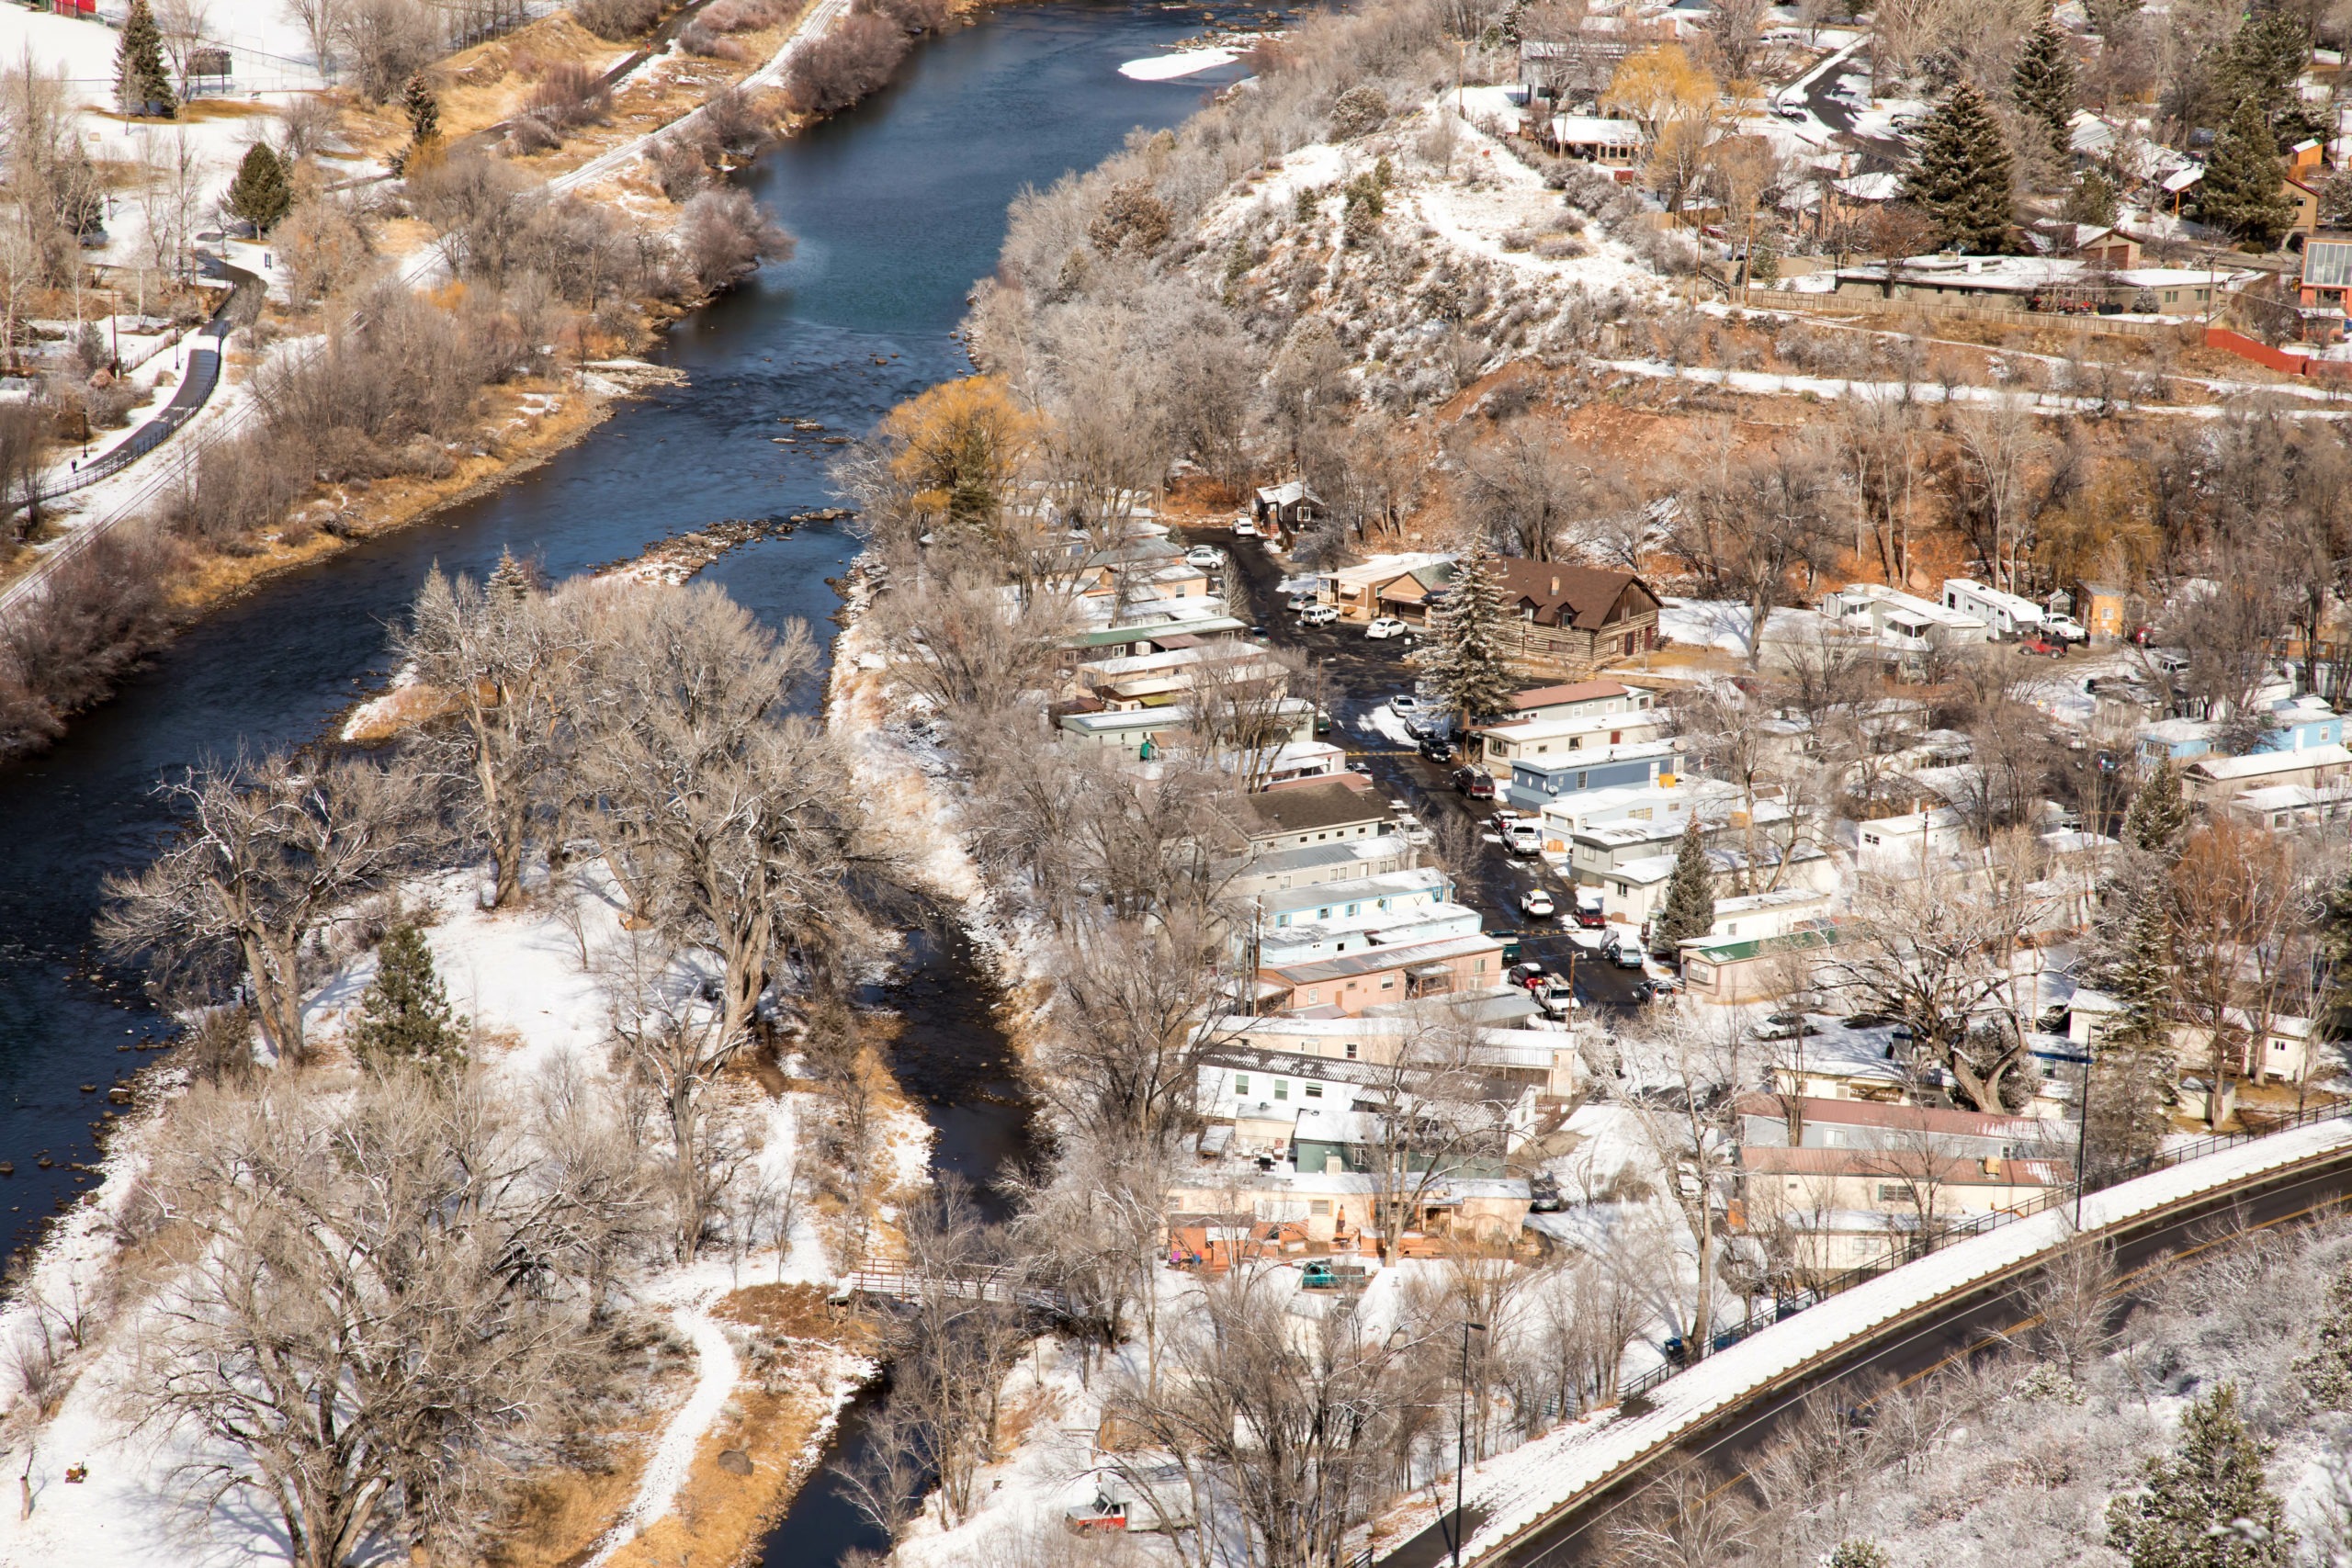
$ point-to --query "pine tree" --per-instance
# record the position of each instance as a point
(2244, 190)
(2263, 59)
(2140, 973)
(1962, 179)
(259, 194)
(2092, 201)
(2043, 82)
(142, 85)
(1467, 666)
(512, 581)
(2326, 1373)
(2158, 814)
(2335, 956)
(424, 110)
(405, 1014)
(2210, 1503)
(1859, 1553)
(1689, 908)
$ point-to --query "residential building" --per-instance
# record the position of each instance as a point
(1735, 970)
(1285, 508)
(1538, 782)
(1615, 145)
(1902, 846)
(1379, 973)
(2286, 807)
(1399, 584)
(1576, 618)
(2008, 614)
(1599, 695)
(1315, 863)
(1836, 1124)
(1324, 812)
(1500, 745)
(2293, 1046)
(1633, 890)
(1904, 623)
(2211, 780)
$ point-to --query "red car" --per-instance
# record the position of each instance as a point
(2034, 642)
(1475, 783)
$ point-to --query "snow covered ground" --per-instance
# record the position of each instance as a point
(1183, 62)
(518, 975)
(1520, 1489)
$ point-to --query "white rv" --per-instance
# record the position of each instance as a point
(2008, 614)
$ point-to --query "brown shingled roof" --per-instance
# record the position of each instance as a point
(1563, 595)
(1574, 692)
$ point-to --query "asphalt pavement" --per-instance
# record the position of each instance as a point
(1995, 1315)
(1361, 675)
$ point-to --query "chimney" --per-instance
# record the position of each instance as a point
(1556, 585)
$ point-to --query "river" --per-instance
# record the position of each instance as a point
(898, 206)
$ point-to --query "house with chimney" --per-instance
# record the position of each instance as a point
(1571, 620)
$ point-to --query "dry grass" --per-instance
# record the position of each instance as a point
(521, 442)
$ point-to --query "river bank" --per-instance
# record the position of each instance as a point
(859, 320)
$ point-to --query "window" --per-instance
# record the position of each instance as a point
(1240, 1085)
(1893, 1192)
(1282, 1088)
(1317, 1207)
(1282, 919)
(1313, 1091)
(1324, 913)
(1312, 997)
(1352, 1050)
(1640, 813)
(1482, 966)
(1387, 983)
(1353, 907)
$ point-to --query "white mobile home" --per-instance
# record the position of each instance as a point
(2006, 614)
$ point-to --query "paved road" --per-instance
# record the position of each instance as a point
(1973, 1325)
(1362, 675)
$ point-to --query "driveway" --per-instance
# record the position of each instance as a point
(1362, 675)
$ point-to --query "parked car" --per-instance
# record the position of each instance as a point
(1511, 941)
(1319, 614)
(1404, 704)
(1322, 722)
(1385, 626)
(1437, 749)
(1643, 991)
(1420, 838)
(1524, 839)
(1298, 603)
(2065, 629)
(1467, 780)
(1525, 974)
(1785, 1026)
(1244, 529)
(1536, 905)
(2035, 642)
(1318, 1275)
(1591, 919)
(1543, 1190)
(1208, 557)
(1627, 956)
(1358, 765)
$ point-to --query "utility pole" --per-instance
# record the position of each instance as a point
(2081, 1135)
(1462, 1438)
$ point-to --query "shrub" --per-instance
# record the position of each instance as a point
(1360, 109)
(723, 235)
(835, 71)
(617, 19)
(569, 94)
(696, 39)
(103, 610)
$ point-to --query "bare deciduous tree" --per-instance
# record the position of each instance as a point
(274, 852)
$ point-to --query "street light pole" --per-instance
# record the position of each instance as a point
(2081, 1135)
(1461, 1437)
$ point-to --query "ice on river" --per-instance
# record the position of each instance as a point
(1183, 62)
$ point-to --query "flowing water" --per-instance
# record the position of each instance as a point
(898, 206)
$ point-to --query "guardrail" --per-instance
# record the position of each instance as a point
(1936, 1240)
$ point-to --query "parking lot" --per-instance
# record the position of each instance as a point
(1360, 675)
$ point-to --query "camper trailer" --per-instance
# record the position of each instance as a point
(2006, 614)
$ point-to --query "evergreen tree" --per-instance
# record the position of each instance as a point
(1689, 908)
(2140, 973)
(259, 194)
(142, 85)
(2244, 190)
(513, 580)
(2208, 1505)
(404, 1016)
(1962, 179)
(2043, 82)
(2335, 956)
(2158, 814)
(1859, 1553)
(1467, 666)
(2263, 59)
(424, 110)
(2092, 202)
(2327, 1371)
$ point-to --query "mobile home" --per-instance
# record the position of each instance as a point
(2006, 614)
